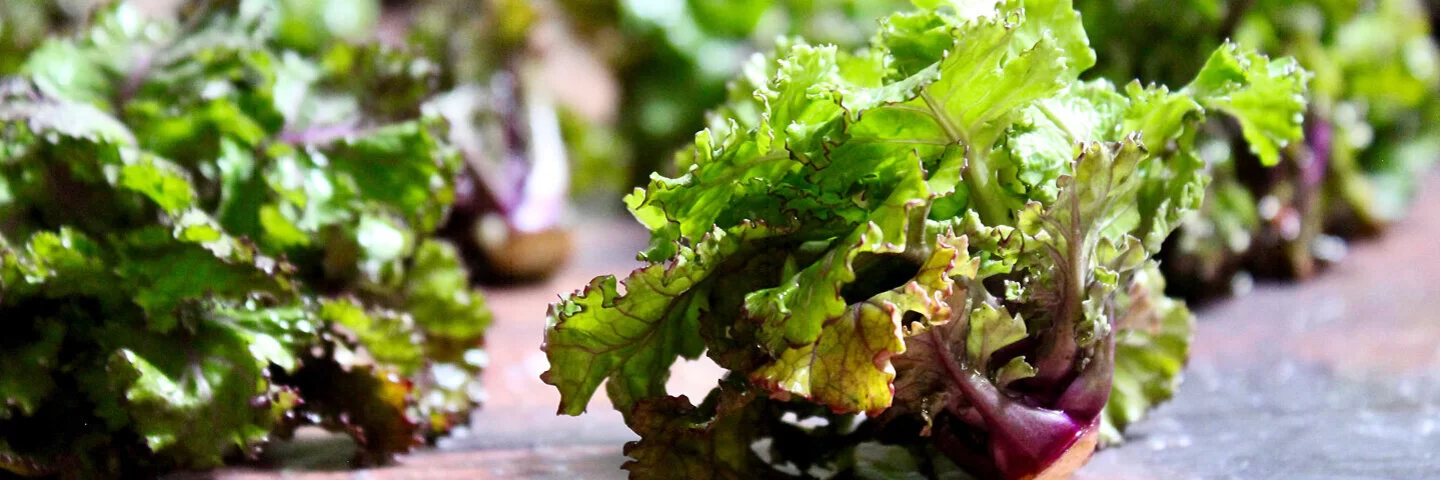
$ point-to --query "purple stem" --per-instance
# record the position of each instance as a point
(1318, 134)
(531, 188)
(1086, 395)
(136, 78)
(1056, 360)
(1024, 439)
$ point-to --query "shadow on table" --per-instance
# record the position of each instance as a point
(312, 450)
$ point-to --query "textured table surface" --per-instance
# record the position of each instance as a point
(1337, 378)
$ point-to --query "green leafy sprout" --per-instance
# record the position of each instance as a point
(208, 240)
(948, 232)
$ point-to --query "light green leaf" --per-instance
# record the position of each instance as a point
(631, 338)
(1151, 347)
(1266, 97)
(990, 330)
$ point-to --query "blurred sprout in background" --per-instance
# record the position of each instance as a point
(499, 74)
(210, 237)
(1370, 132)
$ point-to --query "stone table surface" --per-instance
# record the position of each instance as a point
(1335, 378)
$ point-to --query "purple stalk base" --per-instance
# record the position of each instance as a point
(526, 180)
(1318, 136)
(512, 195)
(1027, 438)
